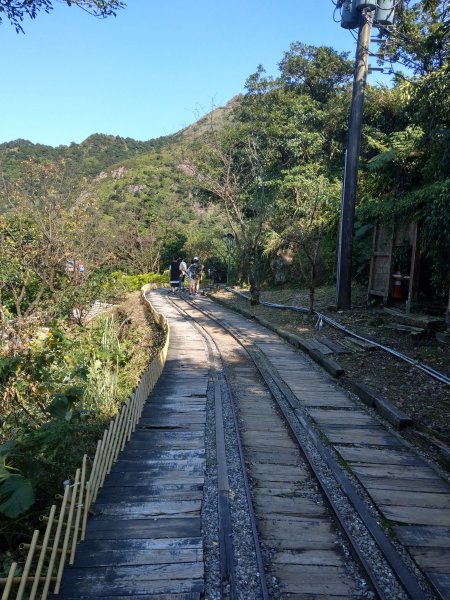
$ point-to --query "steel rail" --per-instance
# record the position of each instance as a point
(218, 375)
(404, 576)
(323, 318)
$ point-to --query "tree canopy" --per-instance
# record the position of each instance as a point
(15, 11)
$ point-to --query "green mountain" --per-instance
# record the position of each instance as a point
(147, 201)
(87, 159)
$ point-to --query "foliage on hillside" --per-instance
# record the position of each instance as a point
(267, 167)
(88, 159)
(59, 386)
(275, 167)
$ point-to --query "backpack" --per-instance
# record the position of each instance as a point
(196, 271)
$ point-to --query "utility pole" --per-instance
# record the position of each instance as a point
(344, 269)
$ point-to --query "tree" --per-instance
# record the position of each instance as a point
(307, 205)
(47, 223)
(206, 239)
(232, 169)
(316, 71)
(274, 160)
(16, 10)
(421, 41)
(407, 177)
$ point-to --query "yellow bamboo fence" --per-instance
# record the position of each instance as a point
(50, 550)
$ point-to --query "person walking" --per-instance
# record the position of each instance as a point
(195, 272)
(182, 273)
(174, 274)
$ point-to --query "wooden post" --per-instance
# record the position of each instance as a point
(44, 551)
(68, 532)
(412, 272)
(27, 566)
(79, 508)
(55, 545)
(9, 581)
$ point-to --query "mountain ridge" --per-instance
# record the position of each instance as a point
(99, 152)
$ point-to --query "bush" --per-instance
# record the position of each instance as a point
(53, 396)
(133, 283)
(35, 465)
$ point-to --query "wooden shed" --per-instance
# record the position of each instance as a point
(395, 262)
(398, 273)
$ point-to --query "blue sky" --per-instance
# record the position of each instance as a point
(154, 69)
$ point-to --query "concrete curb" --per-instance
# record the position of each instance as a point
(396, 417)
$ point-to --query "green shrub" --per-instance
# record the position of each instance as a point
(34, 466)
(133, 283)
(54, 394)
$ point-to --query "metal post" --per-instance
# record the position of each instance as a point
(344, 269)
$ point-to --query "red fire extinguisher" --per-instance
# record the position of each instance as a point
(397, 292)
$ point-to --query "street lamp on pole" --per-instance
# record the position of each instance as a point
(230, 241)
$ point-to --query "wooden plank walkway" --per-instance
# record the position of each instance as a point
(145, 536)
(301, 550)
(407, 491)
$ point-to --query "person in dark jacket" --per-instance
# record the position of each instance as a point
(174, 274)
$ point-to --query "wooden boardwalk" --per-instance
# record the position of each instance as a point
(407, 491)
(295, 527)
(145, 536)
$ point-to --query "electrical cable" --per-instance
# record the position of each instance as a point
(324, 319)
(334, 15)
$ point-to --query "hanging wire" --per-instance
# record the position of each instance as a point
(324, 319)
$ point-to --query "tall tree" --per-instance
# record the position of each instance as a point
(307, 204)
(232, 169)
(317, 71)
(421, 40)
(409, 175)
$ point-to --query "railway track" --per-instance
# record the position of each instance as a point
(307, 515)
(252, 476)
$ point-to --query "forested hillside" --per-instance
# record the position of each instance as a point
(267, 168)
(87, 159)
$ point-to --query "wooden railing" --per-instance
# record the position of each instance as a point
(49, 550)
